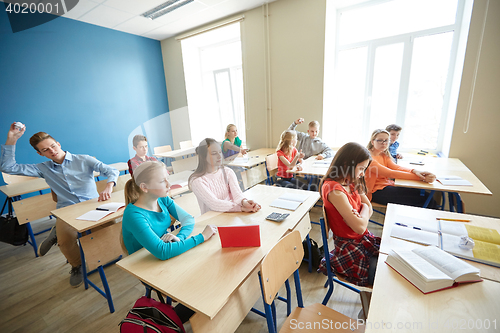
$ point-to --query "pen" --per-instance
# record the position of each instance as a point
(443, 219)
(102, 209)
(401, 224)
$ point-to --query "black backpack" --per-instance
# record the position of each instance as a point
(317, 252)
(11, 232)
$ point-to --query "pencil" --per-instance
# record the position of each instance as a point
(443, 219)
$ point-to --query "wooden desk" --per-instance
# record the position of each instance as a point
(177, 153)
(221, 285)
(396, 213)
(397, 306)
(29, 186)
(255, 165)
(69, 214)
(120, 166)
(444, 166)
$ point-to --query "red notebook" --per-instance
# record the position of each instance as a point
(240, 235)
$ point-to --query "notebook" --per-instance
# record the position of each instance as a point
(453, 181)
(289, 201)
(101, 211)
(239, 235)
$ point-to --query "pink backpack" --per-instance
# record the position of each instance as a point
(149, 315)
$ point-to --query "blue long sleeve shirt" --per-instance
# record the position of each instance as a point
(144, 228)
(72, 180)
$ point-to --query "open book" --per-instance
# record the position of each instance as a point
(431, 269)
(101, 211)
(290, 201)
(446, 235)
(453, 181)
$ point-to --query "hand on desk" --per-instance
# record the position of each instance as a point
(243, 151)
(106, 194)
(168, 238)
(209, 231)
(249, 206)
(319, 157)
(425, 176)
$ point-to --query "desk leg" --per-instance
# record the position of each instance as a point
(84, 265)
(428, 199)
(452, 196)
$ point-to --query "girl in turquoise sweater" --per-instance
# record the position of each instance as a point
(146, 219)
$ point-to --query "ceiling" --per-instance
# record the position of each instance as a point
(124, 15)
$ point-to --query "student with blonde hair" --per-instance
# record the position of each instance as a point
(215, 186)
(379, 176)
(146, 219)
(309, 142)
(147, 216)
(288, 158)
(231, 146)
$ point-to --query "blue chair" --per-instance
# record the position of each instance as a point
(271, 166)
(282, 261)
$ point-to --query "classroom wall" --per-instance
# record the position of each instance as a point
(479, 147)
(293, 65)
(88, 86)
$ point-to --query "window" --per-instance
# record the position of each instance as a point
(214, 82)
(393, 63)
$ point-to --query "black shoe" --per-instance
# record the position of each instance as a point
(47, 244)
(76, 277)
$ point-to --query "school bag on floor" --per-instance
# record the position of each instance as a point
(149, 315)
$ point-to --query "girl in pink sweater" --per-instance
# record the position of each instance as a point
(216, 186)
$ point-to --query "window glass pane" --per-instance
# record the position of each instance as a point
(428, 76)
(350, 92)
(394, 18)
(386, 82)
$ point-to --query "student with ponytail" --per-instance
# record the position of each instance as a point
(147, 216)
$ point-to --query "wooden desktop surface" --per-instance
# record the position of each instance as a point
(205, 277)
(69, 213)
(311, 169)
(397, 213)
(177, 152)
(444, 167)
(255, 157)
(397, 306)
(28, 186)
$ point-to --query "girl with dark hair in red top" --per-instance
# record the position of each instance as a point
(348, 210)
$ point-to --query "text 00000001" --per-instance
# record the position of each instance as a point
(27, 8)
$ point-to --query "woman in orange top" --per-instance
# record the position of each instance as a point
(379, 176)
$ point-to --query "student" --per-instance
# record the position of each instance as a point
(71, 178)
(140, 145)
(310, 143)
(348, 210)
(146, 219)
(231, 146)
(382, 170)
(288, 158)
(214, 185)
(394, 130)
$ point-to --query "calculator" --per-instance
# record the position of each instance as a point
(276, 217)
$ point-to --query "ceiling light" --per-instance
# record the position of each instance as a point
(165, 8)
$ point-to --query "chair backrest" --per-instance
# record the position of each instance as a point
(189, 203)
(281, 262)
(34, 208)
(272, 162)
(190, 163)
(162, 149)
(14, 179)
(122, 180)
(186, 144)
(102, 246)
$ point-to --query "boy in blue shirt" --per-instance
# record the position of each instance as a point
(394, 130)
(71, 178)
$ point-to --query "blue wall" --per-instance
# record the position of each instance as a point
(87, 86)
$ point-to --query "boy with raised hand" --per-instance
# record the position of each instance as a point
(310, 143)
(71, 178)
(140, 145)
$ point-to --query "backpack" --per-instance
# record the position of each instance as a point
(149, 315)
(317, 252)
(11, 232)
